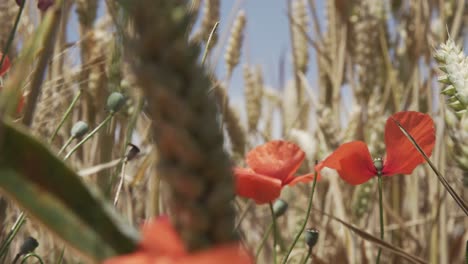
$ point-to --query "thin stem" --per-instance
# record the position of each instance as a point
(65, 116)
(14, 230)
(59, 261)
(264, 239)
(309, 252)
(69, 141)
(466, 253)
(208, 42)
(273, 222)
(243, 215)
(12, 34)
(309, 207)
(34, 255)
(119, 188)
(379, 178)
(103, 123)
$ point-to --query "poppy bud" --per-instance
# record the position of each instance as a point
(132, 152)
(43, 5)
(115, 101)
(311, 237)
(28, 245)
(378, 163)
(79, 129)
(279, 208)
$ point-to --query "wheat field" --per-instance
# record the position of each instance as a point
(126, 117)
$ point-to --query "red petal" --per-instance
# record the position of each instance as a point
(160, 238)
(352, 161)
(402, 157)
(261, 188)
(226, 254)
(303, 178)
(279, 159)
(5, 66)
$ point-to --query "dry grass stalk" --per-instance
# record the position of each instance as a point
(420, 219)
(299, 41)
(253, 89)
(191, 155)
(210, 18)
(231, 120)
(87, 11)
(366, 48)
(300, 50)
(234, 46)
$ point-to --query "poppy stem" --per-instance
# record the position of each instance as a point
(262, 244)
(108, 118)
(13, 232)
(273, 219)
(65, 116)
(466, 253)
(309, 207)
(69, 141)
(309, 253)
(379, 179)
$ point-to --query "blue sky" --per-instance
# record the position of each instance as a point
(266, 41)
(266, 44)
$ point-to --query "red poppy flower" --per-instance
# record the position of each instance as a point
(272, 166)
(5, 66)
(161, 245)
(353, 161)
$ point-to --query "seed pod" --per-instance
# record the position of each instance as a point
(311, 237)
(28, 245)
(132, 152)
(79, 129)
(279, 207)
(115, 101)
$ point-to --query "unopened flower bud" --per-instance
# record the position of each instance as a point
(29, 245)
(79, 129)
(311, 237)
(132, 152)
(115, 101)
(279, 208)
(378, 164)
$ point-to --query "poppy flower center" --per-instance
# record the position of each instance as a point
(378, 164)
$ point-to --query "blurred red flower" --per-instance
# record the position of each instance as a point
(161, 245)
(5, 66)
(353, 161)
(271, 166)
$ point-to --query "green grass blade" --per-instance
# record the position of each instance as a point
(53, 194)
(441, 178)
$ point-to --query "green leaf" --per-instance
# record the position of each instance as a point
(53, 194)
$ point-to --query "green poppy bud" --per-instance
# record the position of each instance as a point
(79, 129)
(311, 237)
(279, 208)
(378, 163)
(115, 101)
